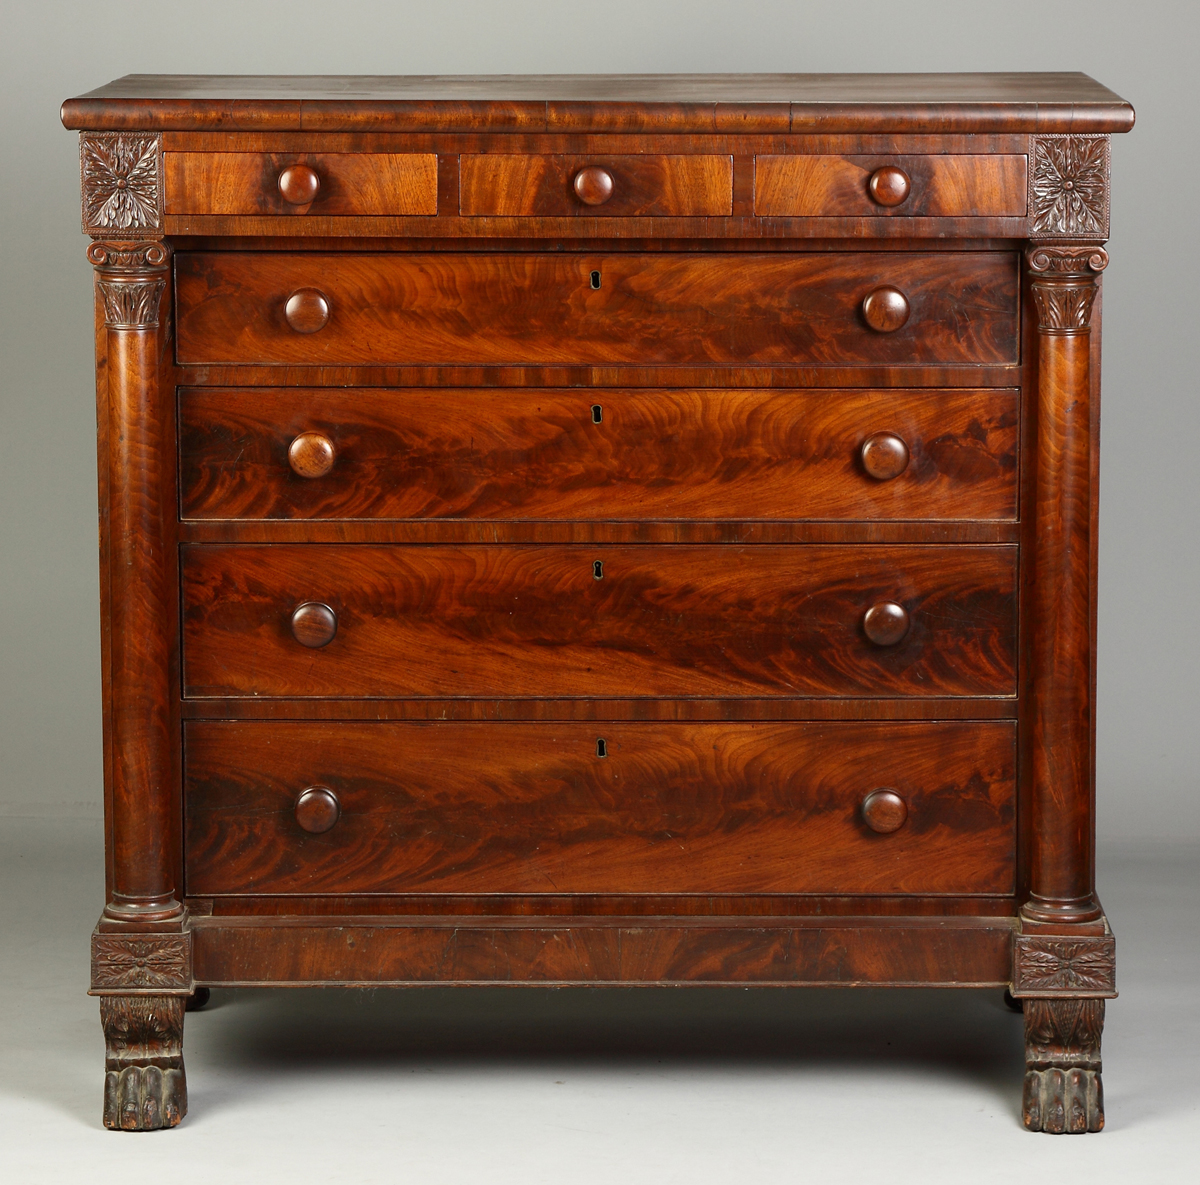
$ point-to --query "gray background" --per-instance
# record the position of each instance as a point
(1149, 746)
(598, 1086)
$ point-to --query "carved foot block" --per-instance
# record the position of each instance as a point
(144, 1084)
(1063, 1101)
(1063, 1091)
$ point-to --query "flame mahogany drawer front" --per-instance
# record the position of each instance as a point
(682, 186)
(597, 530)
(534, 809)
(599, 620)
(322, 453)
(898, 186)
(333, 183)
(595, 308)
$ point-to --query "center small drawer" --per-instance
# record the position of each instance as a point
(499, 184)
(553, 454)
(837, 308)
(496, 621)
(846, 808)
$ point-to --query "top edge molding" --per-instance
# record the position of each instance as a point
(683, 103)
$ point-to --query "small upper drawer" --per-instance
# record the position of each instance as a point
(330, 183)
(557, 186)
(900, 186)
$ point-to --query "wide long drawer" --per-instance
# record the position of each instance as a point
(666, 309)
(618, 808)
(330, 453)
(640, 620)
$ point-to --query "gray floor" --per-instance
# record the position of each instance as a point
(582, 1086)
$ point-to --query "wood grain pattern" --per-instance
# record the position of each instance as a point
(659, 621)
(511, 185)
(350, 183)
(541, 454)
(139, 417)
(946, 952)
(943, 103)
(1062, 855)
(634, 708)
(941, 186)
(529, 808)
(317, 908)
(543, 309)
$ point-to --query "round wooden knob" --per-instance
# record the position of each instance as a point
(884, 811)
(298, 184)
(307, 310)
(317, 809)
(311, 454)
(884, 455)
(889, 186)
(886, 623)
(885, 309)
(593, 185)
(314, 625)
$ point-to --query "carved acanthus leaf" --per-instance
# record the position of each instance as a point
(142, 1027)
(141, 961)
(1068, 187)
(131, 304)
(122, 182)
(1047, 965)
(1065, 308)
(1063, 1032)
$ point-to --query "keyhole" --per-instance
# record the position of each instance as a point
(598, 569)
(597, 413)
(595, 279)
(601, 747)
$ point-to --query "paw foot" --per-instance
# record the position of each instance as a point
(1063, 1100)
(144, 1098)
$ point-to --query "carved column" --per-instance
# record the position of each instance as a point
(141, 949)
(131, 279)
(1068, 200)
(1062, 859)
(122, 207)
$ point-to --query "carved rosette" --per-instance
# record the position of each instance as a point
(1047, 965)
(1063, 1088)
(122, 179)
(131, 278)
(131, 963)
(1068, 187)
(144, 1083)
(1064, 285)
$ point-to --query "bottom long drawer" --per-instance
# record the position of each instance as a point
(485, 808)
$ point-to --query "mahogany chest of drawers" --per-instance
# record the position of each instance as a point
(599, 531)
